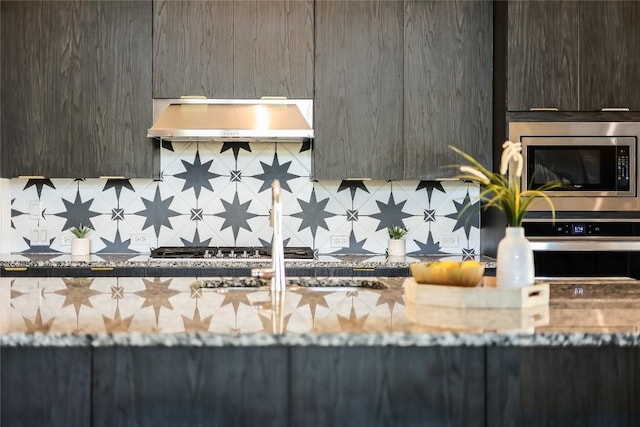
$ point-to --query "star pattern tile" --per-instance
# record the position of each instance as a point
(430, 186)
(229, 204)
(157, 212)
(39, 183)
(77, 212)
(430, 247)
(390, 213)
(313, 214)
(236, 147)
(116, 246)
(466, 215)
(352, 186)
(275, 171)
(118, 185)
(196, 240)
(355, 246)
(197, 175)
(236, 215)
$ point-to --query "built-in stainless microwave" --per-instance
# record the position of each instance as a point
(596, 161)
(596, 166)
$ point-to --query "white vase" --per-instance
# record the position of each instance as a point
(81, 246)
(397, 248)
(515, 268)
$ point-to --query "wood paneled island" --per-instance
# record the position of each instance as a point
(173, 351)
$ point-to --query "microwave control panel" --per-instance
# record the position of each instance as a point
(577, 229)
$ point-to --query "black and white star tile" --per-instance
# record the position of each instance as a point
(219, 194)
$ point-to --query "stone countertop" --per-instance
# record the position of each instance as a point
(348, 311)
(136, 265)
(144, 260)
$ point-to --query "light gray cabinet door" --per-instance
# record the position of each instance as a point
(358, 90)
(76, 89)
(447, 85)
(233, 49)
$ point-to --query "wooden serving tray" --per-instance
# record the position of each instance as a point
(476, 297)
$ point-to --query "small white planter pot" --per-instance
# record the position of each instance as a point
(397, 249)
(81, 246)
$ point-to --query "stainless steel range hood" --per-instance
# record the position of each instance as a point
(272, 119)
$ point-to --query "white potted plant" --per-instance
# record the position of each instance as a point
(81, 244)
(515, 267)
(397, 247)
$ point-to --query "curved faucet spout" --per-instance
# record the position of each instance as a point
(278, 281)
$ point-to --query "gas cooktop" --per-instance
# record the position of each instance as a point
(228, 252)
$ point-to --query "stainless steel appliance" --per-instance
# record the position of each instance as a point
(228, 252)
(596, 229)
(202, 119)
(597, 161)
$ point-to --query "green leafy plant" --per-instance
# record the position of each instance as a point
(501, 191)
(81, 231)
(397, 232)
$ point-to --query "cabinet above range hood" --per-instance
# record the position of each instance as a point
(232, 120)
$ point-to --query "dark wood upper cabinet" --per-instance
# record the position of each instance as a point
(358, 83)
(193, 49)
(447, 85)
(543, 54)
(609, 55)
(273, 48)
(233, 49)
(76, 79)
(397, 83)
(573, 55)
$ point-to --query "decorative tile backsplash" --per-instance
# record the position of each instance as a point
(219, 194)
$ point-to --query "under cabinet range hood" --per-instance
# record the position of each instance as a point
(272, 119)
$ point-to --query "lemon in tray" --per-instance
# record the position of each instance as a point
(448, 272)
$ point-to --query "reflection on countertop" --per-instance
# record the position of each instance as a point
(179, 311)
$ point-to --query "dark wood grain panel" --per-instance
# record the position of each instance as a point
(447, 85)
(273, 48)
(609, 55)
(230, 386)
(586, 386)
(543, 55)
(193, 49)
(45, 387)
(40, 65)
(382, 386)
(80, 98)
(116, 83)
(358, 90)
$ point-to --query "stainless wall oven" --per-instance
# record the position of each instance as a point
(596, 231)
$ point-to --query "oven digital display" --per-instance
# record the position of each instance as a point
(578, 229)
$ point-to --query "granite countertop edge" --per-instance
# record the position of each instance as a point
(445, 339)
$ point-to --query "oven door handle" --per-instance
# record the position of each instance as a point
(592, 244)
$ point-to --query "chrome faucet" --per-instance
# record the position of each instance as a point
(278, 281)
(276, 272)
